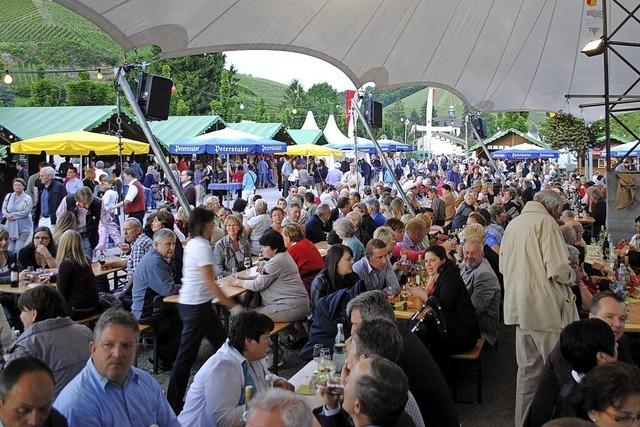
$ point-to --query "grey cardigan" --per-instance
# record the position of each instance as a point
(60, 343)
(224, 257)
(280, 283)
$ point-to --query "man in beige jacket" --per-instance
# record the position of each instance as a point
(537, 295)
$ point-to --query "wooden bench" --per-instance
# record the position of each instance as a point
(471, 357)
(277, 328)
(150, 330)
(89, 321)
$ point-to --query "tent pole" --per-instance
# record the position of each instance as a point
(81, 168)
(157, 151)
(403, 196)
(228, 182)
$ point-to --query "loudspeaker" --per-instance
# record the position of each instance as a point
(155, 96)
(479, 126)
(373, 113)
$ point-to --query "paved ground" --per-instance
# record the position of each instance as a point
(498, 373)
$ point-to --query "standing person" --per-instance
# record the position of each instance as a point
(133, 202)
(199, 319)
(439, 207)
(90, 178)
(16, 209)
(263, 170)
(21, 172)
(188, 188)
(249, 182)
(73, 183)
(537, 289)
(285, 172)
(50, 194)
(320, 172)
(449, 200)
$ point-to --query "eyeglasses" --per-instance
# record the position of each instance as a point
(625, 419)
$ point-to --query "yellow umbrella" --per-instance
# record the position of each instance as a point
(79, 143)
(312, 150)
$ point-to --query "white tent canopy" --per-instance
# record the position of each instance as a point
(310, 122)
(499, 55)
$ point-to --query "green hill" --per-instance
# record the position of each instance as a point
(43, 32)
(442, 100)
(254, 88)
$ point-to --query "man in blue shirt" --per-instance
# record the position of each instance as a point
(375, 269)
(109, 391)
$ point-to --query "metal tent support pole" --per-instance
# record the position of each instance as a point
(229, 191)
(607, 111)
(157, 151)
(486, 152)
(387, 165)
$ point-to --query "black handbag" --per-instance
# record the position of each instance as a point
(428, 322)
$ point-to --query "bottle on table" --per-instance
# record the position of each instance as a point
(339, 354)
(15, 275)
(248, 395)
(420, 272)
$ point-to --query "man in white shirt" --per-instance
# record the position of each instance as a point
(635, 239)
(352, 177)
(334, 175)
(73, 183)
(217, 395)
(133, 202)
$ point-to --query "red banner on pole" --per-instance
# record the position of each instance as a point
(348, 96)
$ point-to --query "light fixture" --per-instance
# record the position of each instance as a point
(241, 106)
(294, 111)
(594, 47)
(174, 89)
(99, 76)
(8, 79)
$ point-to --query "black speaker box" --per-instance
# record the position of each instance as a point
(155, 97)
(373, 113)
(479, 126)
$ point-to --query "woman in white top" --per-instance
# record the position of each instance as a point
(199, 319)
(109, 201)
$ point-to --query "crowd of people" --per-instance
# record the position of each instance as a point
(478, 245)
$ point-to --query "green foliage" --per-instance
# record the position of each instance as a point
(7, 97)
(565, 131)
(293, 108)
(496, 122)
(631, 120)
(322, 99)
(86, 92)
(261, 111)
(227, 104)
(45, 93)
(389, 96)
(441, 102)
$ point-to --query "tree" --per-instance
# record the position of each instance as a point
(261, 111)
(45, 93)
(322, 99)
(227, 103)
(86, 92)
(6, 96)
(292, 106)
(514, 120)
(565, 131)
(631, 120)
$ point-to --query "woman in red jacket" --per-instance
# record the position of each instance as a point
(303, 252)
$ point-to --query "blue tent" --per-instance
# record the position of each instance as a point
(227, 141)
(621, 150)
(367, 146)
(525, 151)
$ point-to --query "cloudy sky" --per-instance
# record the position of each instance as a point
(284, 66)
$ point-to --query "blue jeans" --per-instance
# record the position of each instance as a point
(262, 180)
(150, 202)
(198, 321)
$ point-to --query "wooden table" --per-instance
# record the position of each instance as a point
(633, 317)
(588, 221)
(323, 247)
(229, 290)
(302, 377)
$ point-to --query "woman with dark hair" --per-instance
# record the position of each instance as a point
(336, 274)
(609, 395)
(199, 319)
(40, 252)
(7, 257)
(448, 289)
(51, 336)
(239, 205)
(284, 297)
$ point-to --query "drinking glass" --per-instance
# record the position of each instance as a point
(247, 263)
(234, 273)
(317, 350)
(219, 281)
(334, 385)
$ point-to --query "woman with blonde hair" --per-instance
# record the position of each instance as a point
(66, 221)
(90, 179)
(76, 281)
(233, 249)
(304, 253)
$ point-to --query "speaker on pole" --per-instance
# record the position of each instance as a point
(373, 113)
(155, 96)
(479, 126)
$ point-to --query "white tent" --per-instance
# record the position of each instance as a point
(498, 55)
(334, 135)
(310, 122)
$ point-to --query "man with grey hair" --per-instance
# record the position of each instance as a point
(463, 211)
(319, 225)
(438, 206)
(278, 407)
(537, 293)
(425, 378)
(257, 226)
(152, 281)
(109, 391)
(374, 211)
(50, 194)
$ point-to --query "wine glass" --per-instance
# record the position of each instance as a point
(334, 384)
(247, 263)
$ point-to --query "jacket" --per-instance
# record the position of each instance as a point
(484, 290)
(57, 192)
(152, 281)
(342, 419)
(330, 310)
(60, 343)
(315, 230)
(280, 283)
(308, 259)
(92, 219)
(224, 257)
(320, 286)
(537, 276)
(460, 218)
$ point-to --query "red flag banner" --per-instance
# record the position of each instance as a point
(591, 3)
(348, 96)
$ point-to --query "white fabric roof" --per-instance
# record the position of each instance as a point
(495, 55)
(332, 132)
(310, 122)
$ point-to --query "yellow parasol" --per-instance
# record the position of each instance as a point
(79, 143)
(312, 150)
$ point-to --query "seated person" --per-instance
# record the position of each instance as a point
(27, 393)
(305, 254)
(483, 288)
(7, 257)
(635, 239)
(40, 252)
(583, 344)
(152, 281)
(415, 232)
(362, 407)
(279, 407)
(609, 395)
(216, 396)
(164, 219)
(319, 225)
(277, 216)
(51, 336)
(375, 268)
(105, 393)
(345, 232)
(293, 215)
(284, 297)
(337, 273)
(257, 226)
(449, 291)
(231, 251)
(358, 231)
(75, 279)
